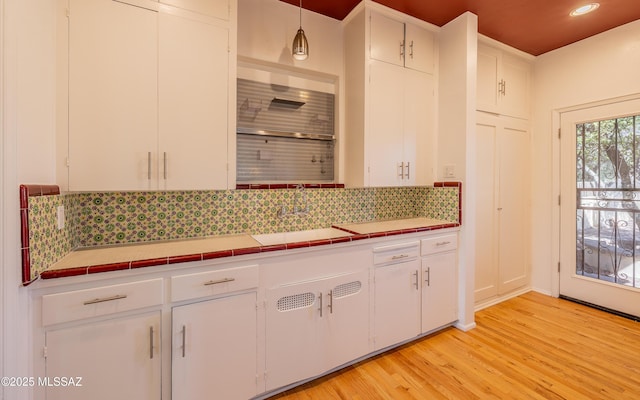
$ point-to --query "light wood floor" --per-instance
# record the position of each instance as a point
(530, 347)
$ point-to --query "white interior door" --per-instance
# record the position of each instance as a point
(599, 234)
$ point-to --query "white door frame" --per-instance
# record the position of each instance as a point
(555, 179)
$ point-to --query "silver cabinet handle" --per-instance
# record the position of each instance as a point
(402, 48)
(320, 304)
(400, 257)
(401, 174)
(330, 301)
(408, 169)
(184, 340)
(149, 165)
(164, 162)
(411, 49)
(428, 272)
(151, 342)
(442, 243)
(417, 281)
(104, 299)
(219, 281)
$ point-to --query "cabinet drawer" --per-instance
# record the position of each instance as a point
(396, 253)
(211, 283)
(438, 244)
(80, 304)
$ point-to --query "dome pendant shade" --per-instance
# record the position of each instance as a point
(300, 46)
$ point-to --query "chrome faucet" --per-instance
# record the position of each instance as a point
(300, 204)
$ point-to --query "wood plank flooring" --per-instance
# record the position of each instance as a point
(530, 347)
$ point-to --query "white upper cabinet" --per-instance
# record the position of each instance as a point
(193, 79)
(149, 94)
(217, 8)
(390, 108)
(113, 76)
(503, 83)
(400, 43)
(419, 49)
(387, 39)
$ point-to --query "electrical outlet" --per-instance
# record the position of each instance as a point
(60, 215)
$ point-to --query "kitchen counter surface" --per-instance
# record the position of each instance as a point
(130, 256)
(404, 225)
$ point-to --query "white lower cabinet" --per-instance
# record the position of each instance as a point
(414, 295)
(214, 353)
(397, 294)
(119, 358)
(235, 330)
(439, 291)
(314, 326)
(439, 281)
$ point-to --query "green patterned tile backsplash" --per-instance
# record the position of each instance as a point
(109, 218)
(48, 244)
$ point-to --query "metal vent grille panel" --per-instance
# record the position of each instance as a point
(280, 158)
(256, 109)
(265, 159)
(295, 302)
(347, 289)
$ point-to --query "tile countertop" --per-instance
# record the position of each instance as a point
(396, 226)
(130, 256)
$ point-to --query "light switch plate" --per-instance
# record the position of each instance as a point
(450, 171)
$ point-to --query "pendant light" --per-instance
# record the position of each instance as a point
(300, 47)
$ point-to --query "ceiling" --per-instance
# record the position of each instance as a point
(533, 26)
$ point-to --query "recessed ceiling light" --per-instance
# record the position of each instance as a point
(584, 9)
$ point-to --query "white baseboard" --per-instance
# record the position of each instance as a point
(495, 300)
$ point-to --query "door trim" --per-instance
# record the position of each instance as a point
(556, 182)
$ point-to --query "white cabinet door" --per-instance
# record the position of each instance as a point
(503, 83)
(419, 52)
(419, 128)
(293, 333)
(397, 303)
(113, 113)
(401, 44)
(439, 290)
(513, 207)
(193, 103)
(387, 39)
(486, 269)
(314, 326)
(515, 92)
(402, 119)
(346, 328)
(214, 351)
(385, 140)
(501, 206)
(488, 78)
(117, 359)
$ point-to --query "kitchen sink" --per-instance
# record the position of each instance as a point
(268, 239)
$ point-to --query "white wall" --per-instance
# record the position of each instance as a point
(456, 139)
(266, 29)
(599, 68)
(27, 156)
